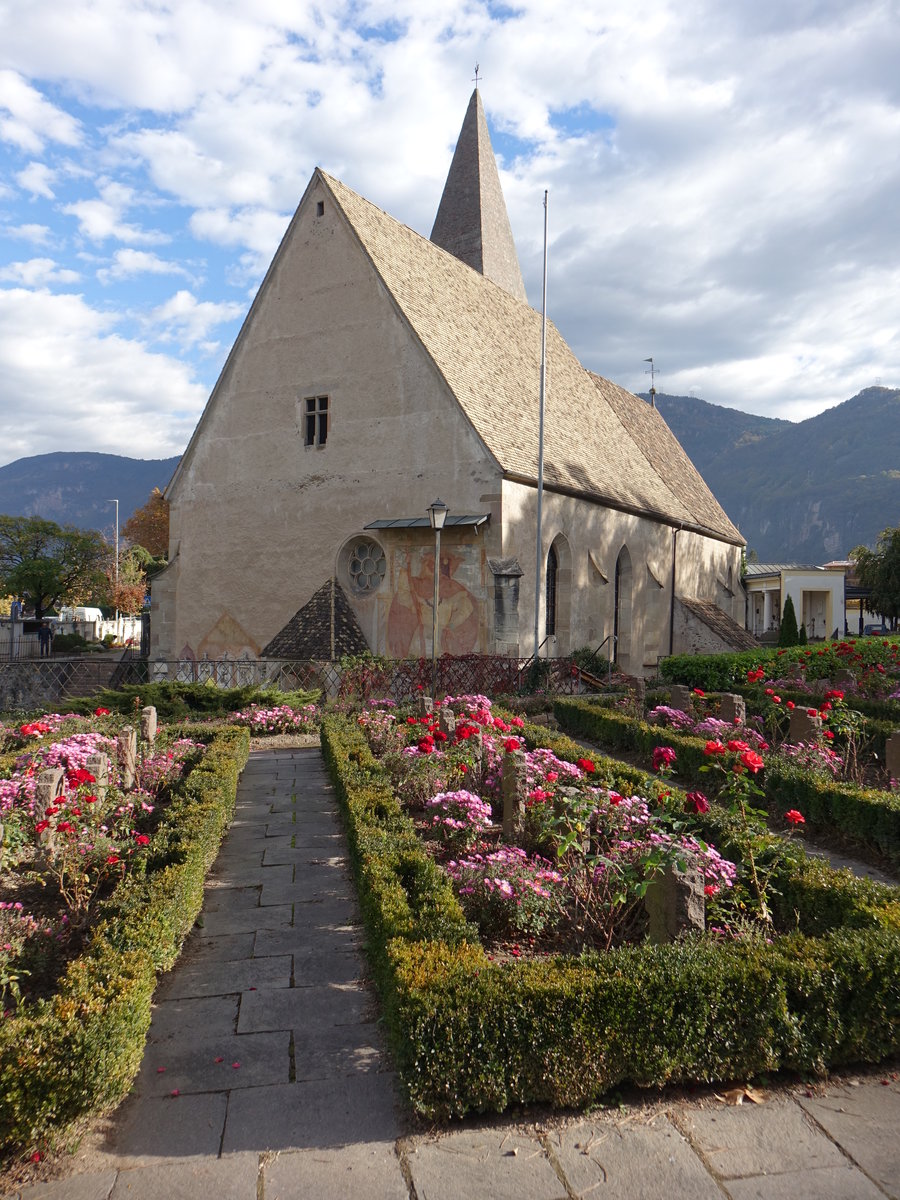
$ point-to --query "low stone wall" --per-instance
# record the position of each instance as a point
(30, 685)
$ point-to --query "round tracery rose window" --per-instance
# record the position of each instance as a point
(366, 566)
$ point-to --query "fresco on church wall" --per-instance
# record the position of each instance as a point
(409, 621)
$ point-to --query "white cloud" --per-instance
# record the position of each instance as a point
(37, 178)
(37, 272)
(723, 178)
(71, 381)
(27, 120)
(189, 321)
(129, 263)
(101, 219)
(40, 235)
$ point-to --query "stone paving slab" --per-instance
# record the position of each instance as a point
(654, 1162)
(302, 848)
(170, 1129)
(818, 1183)
(484, 1163)
(192, 1066)
(335, 910)
(318, 1114)
(306, 950)
(363, 1172)
(253, 875)
(227, 947)
(208, 1016)
(218, 899)
(271, 917)
(93, 1186)
(865, 1121)
(236, 1179)
(205, 979)
(301, 1007)
(758, 1139)
(338, 1050)
(319, 886)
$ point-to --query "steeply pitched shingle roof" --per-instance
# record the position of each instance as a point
(324, 628)
(732, 634)
(487, 345)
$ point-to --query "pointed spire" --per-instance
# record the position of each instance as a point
(472, 222)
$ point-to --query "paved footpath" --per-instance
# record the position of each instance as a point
(264, 1076)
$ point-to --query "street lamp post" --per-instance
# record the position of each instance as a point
(437, 515)
(116, 503)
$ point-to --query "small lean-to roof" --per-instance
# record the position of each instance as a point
(487, 346)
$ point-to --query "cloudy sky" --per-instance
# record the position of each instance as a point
(724, 181)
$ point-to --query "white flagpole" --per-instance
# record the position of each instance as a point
(539, 556)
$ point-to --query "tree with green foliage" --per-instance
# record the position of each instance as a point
(788, 634)
(48, 564)
(879, 571)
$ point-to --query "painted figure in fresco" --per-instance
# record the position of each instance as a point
(410, 616)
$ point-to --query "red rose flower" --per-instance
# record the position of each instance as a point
(663, 756)
(714, 748)
(697, 802)
(738, 747)
(101, 712)
(512, 744)
(586, 765)
(699, 692)
(752, 761)
(794, 817)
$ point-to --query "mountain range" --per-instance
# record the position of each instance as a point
(78, 487)
(800, 492)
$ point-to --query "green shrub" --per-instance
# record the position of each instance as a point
(788, 634)
(470, 1034)
(180, 701)
(79, 1052)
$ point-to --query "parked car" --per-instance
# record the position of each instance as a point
(876, 631)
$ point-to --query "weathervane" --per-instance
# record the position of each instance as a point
(652, 382)
(476, 76)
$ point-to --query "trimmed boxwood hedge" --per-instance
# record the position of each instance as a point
(865, 817)
(78, 1052)
(471, 1034)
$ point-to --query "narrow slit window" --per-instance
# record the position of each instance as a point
(316, 421)
(320, 208)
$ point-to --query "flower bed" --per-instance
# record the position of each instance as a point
(73, 1043)
(470, 1033)
(866, 817)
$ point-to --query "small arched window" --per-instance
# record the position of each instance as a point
(551, 589)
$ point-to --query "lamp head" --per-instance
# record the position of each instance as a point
(437, 514)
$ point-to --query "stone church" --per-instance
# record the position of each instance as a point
(378, 371)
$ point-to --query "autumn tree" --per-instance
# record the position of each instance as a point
(148, 526)
(126, 589)
(48, 564)
(879, 571)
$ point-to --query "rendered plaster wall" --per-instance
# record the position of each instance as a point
(589, 540)
(818, 598)
(259, 521)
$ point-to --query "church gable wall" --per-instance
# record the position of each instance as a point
(258, 518)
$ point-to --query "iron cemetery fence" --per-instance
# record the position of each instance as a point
(34, 683)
